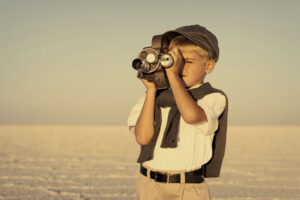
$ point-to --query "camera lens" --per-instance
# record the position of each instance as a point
(137, 63)
(140, 64)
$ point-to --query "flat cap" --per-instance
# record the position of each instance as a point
(199, 35)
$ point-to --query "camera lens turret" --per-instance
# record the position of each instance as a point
(140, 64)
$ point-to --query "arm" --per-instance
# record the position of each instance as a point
(188, 108)
(144, 129)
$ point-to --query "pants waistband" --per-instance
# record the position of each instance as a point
(195, 176)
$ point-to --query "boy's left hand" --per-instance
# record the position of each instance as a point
(178, 62)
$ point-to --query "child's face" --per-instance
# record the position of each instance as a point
(195, 67)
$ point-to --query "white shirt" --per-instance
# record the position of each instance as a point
(194, 147)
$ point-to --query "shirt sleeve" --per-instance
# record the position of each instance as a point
(135, 113)
(213, 105)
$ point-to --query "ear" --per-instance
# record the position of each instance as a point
(210, 65)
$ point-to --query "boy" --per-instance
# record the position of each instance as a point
(181, 131)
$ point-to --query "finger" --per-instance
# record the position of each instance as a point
(178, 52)
(172, 53)
(177, 56)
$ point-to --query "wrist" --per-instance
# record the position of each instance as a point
(151, 89)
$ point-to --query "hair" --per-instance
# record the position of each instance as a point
(181, 41)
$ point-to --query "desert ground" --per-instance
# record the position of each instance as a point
(99, 162)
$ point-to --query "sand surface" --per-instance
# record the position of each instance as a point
(99, 162)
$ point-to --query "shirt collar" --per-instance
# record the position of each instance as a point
(195, 86)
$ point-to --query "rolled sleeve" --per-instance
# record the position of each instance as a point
(213, 105)
(135, 113)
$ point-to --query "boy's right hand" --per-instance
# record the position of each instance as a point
(148, 84)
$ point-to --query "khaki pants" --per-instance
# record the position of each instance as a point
(147, 189)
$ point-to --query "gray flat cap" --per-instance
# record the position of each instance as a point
(199, 35)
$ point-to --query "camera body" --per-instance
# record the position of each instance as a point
(151, 61)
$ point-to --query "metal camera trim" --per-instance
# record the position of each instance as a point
(156, 54)
(168, 56)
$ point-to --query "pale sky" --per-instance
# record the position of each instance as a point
(69, 62)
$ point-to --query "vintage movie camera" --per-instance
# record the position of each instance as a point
(151, 61)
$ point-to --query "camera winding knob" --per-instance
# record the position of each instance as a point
(166, 60)
(151, 58)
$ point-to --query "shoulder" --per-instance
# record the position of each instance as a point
(135, 112)
(217, 92)
(215, 102)
(213, 97)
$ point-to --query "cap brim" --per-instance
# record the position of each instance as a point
(171, 34)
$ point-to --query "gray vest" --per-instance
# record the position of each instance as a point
(165, 98)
